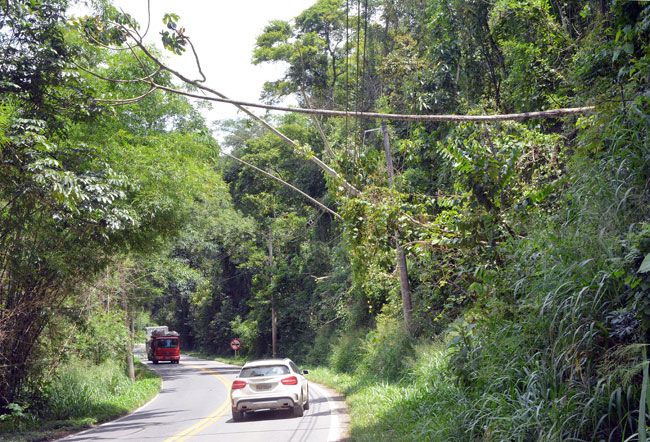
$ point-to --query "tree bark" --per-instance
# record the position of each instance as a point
(274, 328)
(274, 316)
(551, 113)
(130, 368)
(405, 289)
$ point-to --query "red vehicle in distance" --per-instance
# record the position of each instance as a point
(163, 345)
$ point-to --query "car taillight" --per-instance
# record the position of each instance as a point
(236, 385)
(291, 380)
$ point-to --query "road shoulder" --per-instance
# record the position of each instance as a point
(340, 413)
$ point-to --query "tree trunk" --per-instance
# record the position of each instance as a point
(402, 268)
(274, 316)
(274, 329)
(129, 341)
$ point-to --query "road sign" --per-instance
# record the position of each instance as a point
(235, 344)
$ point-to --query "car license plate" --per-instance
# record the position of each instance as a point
(263, 387)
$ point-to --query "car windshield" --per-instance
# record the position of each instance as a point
(264, 370)
(167, 343)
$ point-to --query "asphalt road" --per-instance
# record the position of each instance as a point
(193, 405)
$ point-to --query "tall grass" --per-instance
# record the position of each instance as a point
(423, 405)
(82, 389)
(78, 395)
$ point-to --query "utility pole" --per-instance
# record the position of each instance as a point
(405, 289)
(274, 316)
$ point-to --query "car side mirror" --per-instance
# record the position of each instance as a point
(305, 372)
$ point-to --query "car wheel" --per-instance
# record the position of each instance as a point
(237, 416)
(298, 410)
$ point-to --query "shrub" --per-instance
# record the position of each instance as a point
(344, 356)
(247, 331)
(321, 347)
(386, 350)
(79, 387)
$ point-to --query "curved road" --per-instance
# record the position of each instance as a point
(194, 405)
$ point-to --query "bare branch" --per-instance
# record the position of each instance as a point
(326, 143)
(144, 79)
(121, 102)
(102, 45)
(146, 31)
(198, 62)
(551, 113)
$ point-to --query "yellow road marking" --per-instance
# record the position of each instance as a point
(212, 418)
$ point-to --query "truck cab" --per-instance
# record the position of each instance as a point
(165, 348)
(163, 345)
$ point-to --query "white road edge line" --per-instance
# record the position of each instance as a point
(334, 433)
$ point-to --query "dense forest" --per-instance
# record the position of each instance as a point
(502, 267)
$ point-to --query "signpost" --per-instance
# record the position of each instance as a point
(235, 344)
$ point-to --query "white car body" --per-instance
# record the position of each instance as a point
(270, 384)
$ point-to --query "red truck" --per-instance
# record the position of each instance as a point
(163, 345)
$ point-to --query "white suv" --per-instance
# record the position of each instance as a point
(270, 384)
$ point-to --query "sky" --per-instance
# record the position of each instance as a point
(224, 33)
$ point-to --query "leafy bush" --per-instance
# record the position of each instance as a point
(247, 331)
(386, 350)
(16, 418)
(344, 356)
(77, 395)
(103, 337)
(322, 346)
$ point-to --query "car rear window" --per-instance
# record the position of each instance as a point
(167, 343)
(264, 370)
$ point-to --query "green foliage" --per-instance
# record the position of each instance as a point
(534, 47)
(385, 350)
(79, 194)
(321, 349)
(78, 387)
(80, 394)
(102, 338)
(345, 352)
(173, 38)
(247, 331)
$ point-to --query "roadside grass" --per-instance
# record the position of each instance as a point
(422, 405)
(82, 395)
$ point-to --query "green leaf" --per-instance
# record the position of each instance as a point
(170, 18)
(645, 265)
